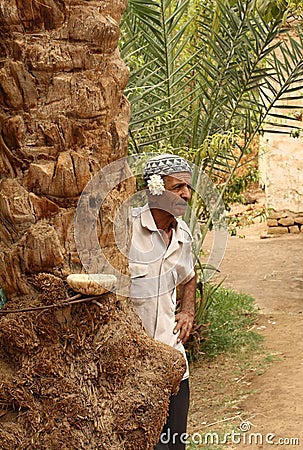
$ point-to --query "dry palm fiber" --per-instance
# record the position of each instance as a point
(82, 377)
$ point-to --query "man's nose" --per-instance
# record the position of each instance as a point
(186, 193)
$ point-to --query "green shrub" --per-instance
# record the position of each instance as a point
(225, 326)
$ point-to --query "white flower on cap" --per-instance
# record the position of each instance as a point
(156, 185)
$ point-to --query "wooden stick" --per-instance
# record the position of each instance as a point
(69, 301)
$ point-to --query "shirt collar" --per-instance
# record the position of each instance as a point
(147, 221)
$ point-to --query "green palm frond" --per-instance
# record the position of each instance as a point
(200, 72)
(232, 78)
(207, 77)
(156, 90)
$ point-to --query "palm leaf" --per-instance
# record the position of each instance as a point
(230, 68)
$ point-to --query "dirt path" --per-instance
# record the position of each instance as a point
(271, 270)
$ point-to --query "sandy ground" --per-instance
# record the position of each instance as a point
(271, 270)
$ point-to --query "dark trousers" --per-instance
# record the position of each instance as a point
(173, 436)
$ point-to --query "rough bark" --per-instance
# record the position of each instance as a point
(84, 376)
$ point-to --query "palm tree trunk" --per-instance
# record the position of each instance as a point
(83, 376)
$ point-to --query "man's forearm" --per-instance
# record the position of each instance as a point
(188, 296)
(185, 318)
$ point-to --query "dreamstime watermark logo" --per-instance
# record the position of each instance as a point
(245, 426)
(101, 189)
(243, 436)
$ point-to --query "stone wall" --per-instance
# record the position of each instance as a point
(285, 222)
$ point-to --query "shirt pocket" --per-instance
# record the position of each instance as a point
(138, 270)
(139, 278)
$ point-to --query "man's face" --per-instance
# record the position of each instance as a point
(176, 196)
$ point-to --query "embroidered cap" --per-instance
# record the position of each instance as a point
(166, 164)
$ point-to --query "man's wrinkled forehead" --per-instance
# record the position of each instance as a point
(178, 177)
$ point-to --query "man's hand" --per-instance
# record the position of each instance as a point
(184, 324)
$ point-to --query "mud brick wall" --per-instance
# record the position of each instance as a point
(281, 165)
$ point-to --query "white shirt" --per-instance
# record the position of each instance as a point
(156, 270)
